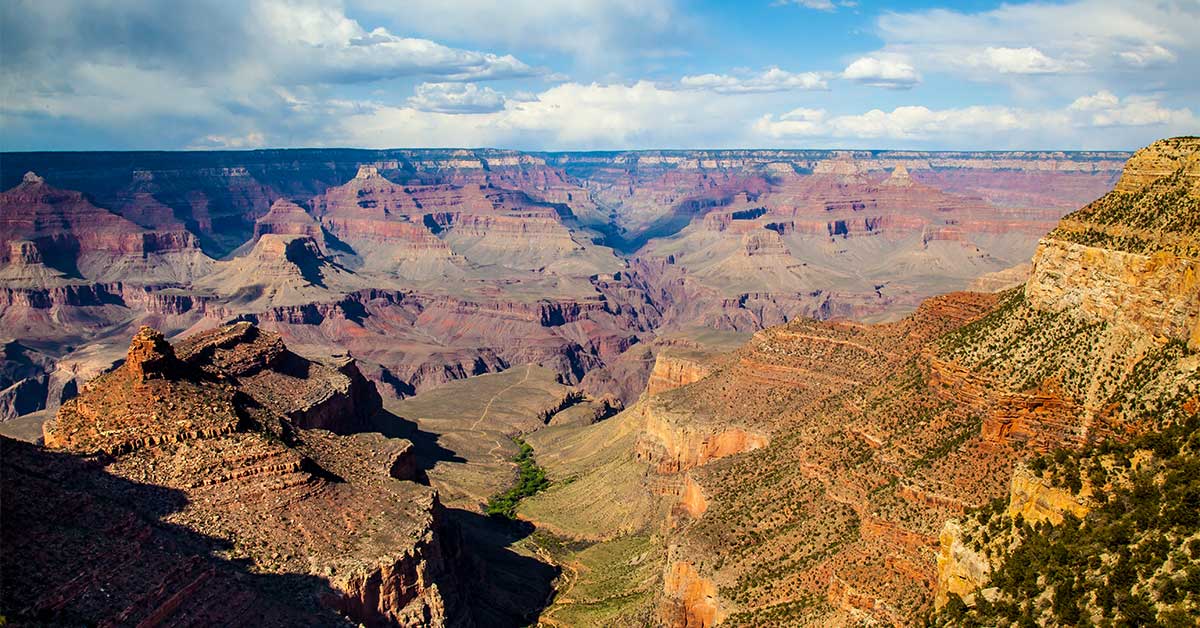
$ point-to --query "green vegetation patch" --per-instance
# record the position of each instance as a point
(531, 479)
(612, 583)
(1134, 560)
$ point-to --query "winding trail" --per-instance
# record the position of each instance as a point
(488, 408)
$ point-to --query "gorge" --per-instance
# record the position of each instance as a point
(755, 380)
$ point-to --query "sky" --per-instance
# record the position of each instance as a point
(597, 74)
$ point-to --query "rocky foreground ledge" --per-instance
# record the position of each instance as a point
(186, 487)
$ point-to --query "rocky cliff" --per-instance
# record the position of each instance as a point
(674, 369)
(1129, 258)
(1120, 274)
(226, 420)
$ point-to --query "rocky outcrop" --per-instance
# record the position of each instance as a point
(1033, 499)
(672, 443)
(1158, 294)
(1044, 418)
(288, 218)
(224, 418)
(118, 561)
(691, 600)
(965, 564)
(1002, 279)
(77, 238)
(150, 356)
(691, 498)
(1161, 159)
(674, 369)
(331, 395)
(1130, 258)
(961, 570)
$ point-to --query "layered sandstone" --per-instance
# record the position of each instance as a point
(77, 238)
(288, 218)
(501, 230)
(1033, 499)
(965, 564)
(672, 442)
(1130, 258)
(1160, 294)
(674, 369)
(223, 418)
(691, 599)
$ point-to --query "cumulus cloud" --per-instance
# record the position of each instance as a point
(456, 98)
(566, 116)
(983, 125)
(1105, 109)
(770, 80)
(1027, 60)
(1147, 55)
(216, 73)
(902, 123)
(166, 75)
(890, 72)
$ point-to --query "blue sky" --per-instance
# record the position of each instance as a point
(597, 74)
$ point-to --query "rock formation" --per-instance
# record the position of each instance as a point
(77, 238)
(228, 420)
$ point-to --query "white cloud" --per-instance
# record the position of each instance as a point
(886, 71)
(1027, 60)
(1096, 37)
(902, 123)
(795, 123)
(1146, 56)
(253, 139)
(1105, 109)
(567, 116)
(165, 75)
(315, 41)
(987, 125)
(145, 74)
(770, 80)
(820, 5)
(456, 98)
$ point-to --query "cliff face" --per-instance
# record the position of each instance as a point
(964, 567)
(691, 599)
(1120, 274)
(224, 419)
(672, 370)
(1073, 534)
(961, 570)
(40, 224)
(1035, 500)
(1129, 258)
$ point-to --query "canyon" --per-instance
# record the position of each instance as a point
(754, 380)
(434, 265)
